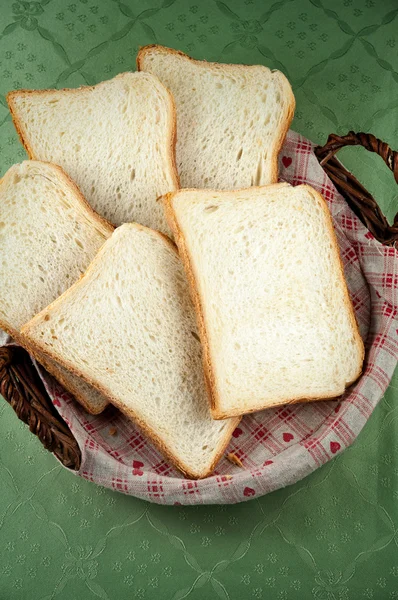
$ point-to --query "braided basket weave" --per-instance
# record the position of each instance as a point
(20, 383)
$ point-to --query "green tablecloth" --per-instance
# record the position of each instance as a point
(333, 536)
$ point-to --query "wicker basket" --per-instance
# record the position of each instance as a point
(20, 383)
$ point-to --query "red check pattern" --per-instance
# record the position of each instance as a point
(279, 446)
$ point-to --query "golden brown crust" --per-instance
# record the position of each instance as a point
(165, 50)
(199, 310)
(173, 141)
(348, 303)
(219, 415)
(35, 348)
(173, 134)
(216, 411)
(204, 63)
(278, 143)
(290, 105)
(271, 186)
(17, 123)
(10, 330)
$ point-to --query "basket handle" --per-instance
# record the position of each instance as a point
(358, 198)
(22, 387)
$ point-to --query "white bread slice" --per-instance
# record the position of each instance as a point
(231, 119)
(274, 313)
(48, 237)
(128, 327)
(115, 140)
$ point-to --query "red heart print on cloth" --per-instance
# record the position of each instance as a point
(334, 447)
(288, 437)
(237, 432)
(287, 161)
(248, 492)
(137, 467)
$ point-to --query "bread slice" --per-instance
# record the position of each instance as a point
(91, 399)
(48, 236)
(275, 317)
(115, 140)
(231, 119)
(128, 327)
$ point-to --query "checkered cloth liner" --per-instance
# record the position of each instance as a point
(279, 446)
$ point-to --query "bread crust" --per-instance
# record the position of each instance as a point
(173, 139)
(179, 237)
(24, 136)
(347, 299)
(287, 91)
(278, 143)
(35, 348)
(17, 123)
(199, 309)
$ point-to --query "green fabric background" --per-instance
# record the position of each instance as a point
(333, 536)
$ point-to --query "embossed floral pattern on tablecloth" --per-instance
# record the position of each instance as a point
(331, 536)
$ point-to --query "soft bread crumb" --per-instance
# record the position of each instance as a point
(275, 315)
(129, 328)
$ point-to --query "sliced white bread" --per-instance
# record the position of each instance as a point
(274, 313)
(128, 327)
(115, 140)
(231, 119)
(48, 237)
